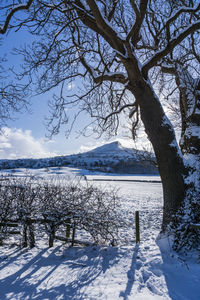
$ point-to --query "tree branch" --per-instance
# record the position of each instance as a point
(117, 112)
(112, 77)
(168, 70)
(11, 14)
(134, 32)
(112, 11)
(170, 46)
(89, 21)
(104, 26)
(176, 15)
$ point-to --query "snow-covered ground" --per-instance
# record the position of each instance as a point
(149, 270)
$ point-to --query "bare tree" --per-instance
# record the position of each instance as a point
(13, 96)
(120, 50)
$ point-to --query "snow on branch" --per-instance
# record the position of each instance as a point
(170, 46)
(90, 21)
(104, 26)
(11, 14)
(168, 69)
(114, 77)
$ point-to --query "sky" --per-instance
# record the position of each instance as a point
(26, 135)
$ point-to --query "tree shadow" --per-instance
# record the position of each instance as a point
(9, 258)
(131, 275)
(37, 278)
(181, 273)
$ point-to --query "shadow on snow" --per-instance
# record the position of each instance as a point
(54, 273)
(181, 273)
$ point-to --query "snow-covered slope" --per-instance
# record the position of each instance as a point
(113, 149)
(146, 271)
(112, 157)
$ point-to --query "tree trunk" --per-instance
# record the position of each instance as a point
(190, 134)
(190, 147)
(161, 134)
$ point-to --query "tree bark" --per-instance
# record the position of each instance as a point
(190, 134)
(161, 134)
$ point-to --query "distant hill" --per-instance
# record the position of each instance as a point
(112, 158)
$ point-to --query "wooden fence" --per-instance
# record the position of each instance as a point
(28, 233)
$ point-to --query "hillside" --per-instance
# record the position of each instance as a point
(112, 158)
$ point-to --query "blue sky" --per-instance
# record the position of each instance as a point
(25, 136)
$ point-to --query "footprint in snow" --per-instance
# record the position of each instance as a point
(146, 275)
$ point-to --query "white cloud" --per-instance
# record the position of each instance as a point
(18, 143)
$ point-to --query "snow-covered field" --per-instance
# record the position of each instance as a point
(149, 270)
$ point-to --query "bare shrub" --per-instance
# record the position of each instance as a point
(97, 211)
(86, 207)
(7, 206)
(60, 205)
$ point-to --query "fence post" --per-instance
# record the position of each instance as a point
(68, 227)
(137, 227)
(31, 235)
(73, 234)
(24, 236)
(51, 234)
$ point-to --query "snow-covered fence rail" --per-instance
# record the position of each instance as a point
(28, 233)
(194, 226)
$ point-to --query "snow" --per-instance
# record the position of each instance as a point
(112, 157)
(146, 271)
(114, 146)
(138, 272)
(121, 177)
(193, 130)
(112, 151)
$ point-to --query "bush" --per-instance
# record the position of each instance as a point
(55, 204)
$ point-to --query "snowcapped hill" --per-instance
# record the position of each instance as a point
(112, 157)
(111, 148)
(114, 150)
